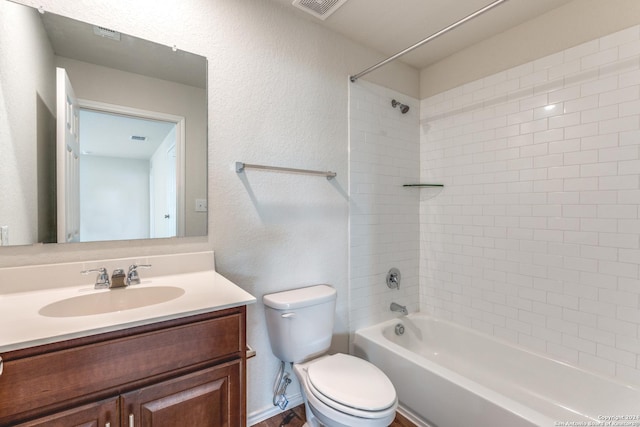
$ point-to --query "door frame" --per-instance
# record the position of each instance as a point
(67, 160)
(180, 147)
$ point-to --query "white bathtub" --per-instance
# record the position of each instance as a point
(450, 376)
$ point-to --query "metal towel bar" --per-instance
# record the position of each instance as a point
(240, 167)
(250, 352)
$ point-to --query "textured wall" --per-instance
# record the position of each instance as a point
(536, 236)
(257, 51)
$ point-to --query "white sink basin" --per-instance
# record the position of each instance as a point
(109, 301)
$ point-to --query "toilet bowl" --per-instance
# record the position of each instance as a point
(339, 390)
(362, 396)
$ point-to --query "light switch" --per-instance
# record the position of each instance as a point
(201, 205)
(4, 235)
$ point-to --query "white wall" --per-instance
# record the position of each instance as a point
(536, 236)
(114, 198)
(384, 230)
(18, 104)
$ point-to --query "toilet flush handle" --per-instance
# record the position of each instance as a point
(289, 315)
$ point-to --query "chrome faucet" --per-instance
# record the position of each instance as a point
(119, 279)
(399, 308)
(133, 278)
(102, 280)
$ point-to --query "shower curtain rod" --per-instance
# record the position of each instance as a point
(428, 39)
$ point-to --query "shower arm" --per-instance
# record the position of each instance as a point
(428, 39)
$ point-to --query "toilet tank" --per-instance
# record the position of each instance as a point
(300, 322)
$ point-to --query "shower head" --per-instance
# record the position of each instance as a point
(403, 108)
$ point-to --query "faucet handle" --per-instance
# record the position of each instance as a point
(393, 278)
(133, 278)
(102, 279)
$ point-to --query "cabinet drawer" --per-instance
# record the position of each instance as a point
(35, 382)
(96, 414)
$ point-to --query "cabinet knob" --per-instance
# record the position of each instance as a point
(131, 423)
(107, 425)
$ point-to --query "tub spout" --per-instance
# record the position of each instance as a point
(399, 308)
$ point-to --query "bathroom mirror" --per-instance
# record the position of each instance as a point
(118, 153)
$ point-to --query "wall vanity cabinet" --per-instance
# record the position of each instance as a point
(189, 371)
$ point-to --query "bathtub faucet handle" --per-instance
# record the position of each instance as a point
(393, 278)
(399, 308)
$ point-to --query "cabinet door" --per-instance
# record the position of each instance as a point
(99, 414)
(207, 398)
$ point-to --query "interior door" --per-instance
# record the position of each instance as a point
(163, 192)
(67, 159)
(170, 191)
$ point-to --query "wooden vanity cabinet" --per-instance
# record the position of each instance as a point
(184, 372)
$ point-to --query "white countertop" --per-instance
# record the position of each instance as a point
(25, 322)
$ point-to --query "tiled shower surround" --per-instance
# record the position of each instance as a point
(384, 154)
(535, 238)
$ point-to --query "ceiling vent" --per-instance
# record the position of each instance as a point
(321, 9)
(138, 138)
(106, 33)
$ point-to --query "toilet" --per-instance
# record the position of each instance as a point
(339, 390)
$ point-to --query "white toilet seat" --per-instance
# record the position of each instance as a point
(346, 409)
(343, 410)
(345, 381)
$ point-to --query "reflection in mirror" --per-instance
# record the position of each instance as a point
(125, 158)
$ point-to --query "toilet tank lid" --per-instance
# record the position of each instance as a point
(301, 297)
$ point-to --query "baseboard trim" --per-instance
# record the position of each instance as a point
(258, 416)
(419, 422)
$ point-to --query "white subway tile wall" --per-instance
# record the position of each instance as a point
(384, 154)
(536, 236)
